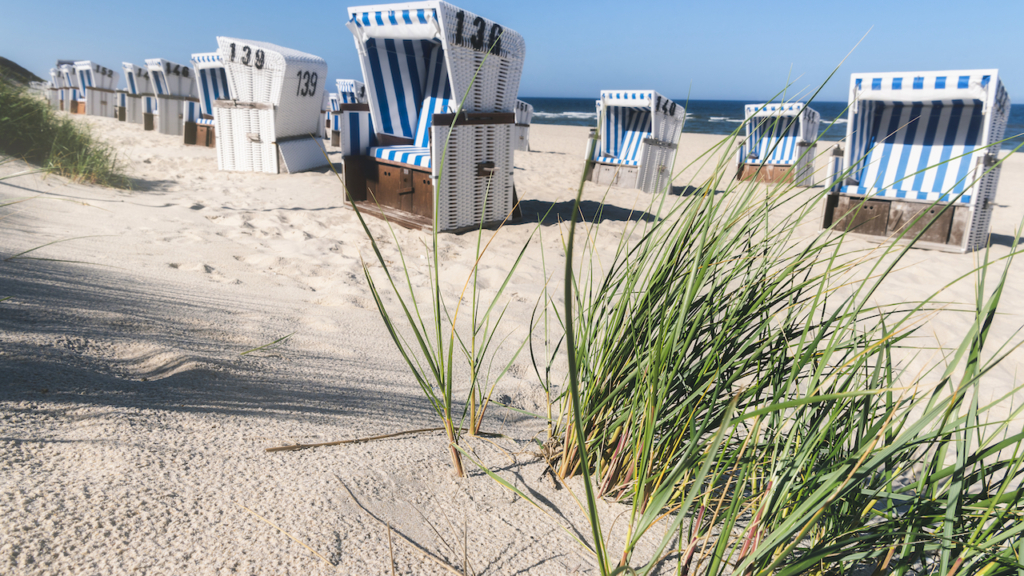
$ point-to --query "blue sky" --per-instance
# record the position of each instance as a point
(742, 50)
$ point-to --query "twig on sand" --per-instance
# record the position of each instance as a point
(391, 552)
(353, 441)
(425, 554)
(300, 542)
(249, 351)
(357, 440)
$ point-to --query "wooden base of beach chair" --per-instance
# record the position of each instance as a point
(769, 173)
(148, 121)
(77, 107)
(391, 184)
(122, 114)
(206, 136)
(190, 134)
(613, 175)
(883, 219)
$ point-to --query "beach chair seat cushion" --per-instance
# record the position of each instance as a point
(616, 160)
(412, 155)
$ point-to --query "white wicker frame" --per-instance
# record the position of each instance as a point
(56, 93)
(274, 111)
(174, 84)
(97, 84)
(480, 82)
(802, 153)
(657, 152)
(139, 90)
(982, 175)
(524, 116)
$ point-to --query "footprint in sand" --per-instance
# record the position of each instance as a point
(205, 269)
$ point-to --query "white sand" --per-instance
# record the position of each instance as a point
(131, 429)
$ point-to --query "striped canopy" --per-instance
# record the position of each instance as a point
(67, 71)
(181, 83)
(918, 135)
(212, 80)
(775, 130)
(136, 78)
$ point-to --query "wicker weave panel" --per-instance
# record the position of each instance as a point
(464, 198)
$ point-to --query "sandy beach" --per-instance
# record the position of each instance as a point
(133, 429)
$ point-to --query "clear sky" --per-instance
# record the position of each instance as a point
(735, 50)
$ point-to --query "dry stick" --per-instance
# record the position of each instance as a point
(425, 554)
(303, 544)
(391, 552)
(340, 442)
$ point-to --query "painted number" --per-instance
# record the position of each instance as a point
(249, 59)
(307, 84)
(667, 106)
(177, 70)
(476, 41)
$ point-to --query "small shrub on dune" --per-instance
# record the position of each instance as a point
(31, 131)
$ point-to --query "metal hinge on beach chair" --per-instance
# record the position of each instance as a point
(920, 157)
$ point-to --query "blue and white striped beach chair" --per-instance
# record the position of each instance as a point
(139, 98)
(419, 60)
(74, 100)
(212, 84)
(97, 84)
(780, 143)
(524, 115)
(351, 96)
(272, 119)
(175, 86)
(638, 132)
(919, 142)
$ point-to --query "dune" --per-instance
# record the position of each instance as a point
(133, 428)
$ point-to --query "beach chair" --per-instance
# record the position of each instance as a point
(97, 84)
(524, 115)
(74, 100)
(139, 99)
(174, 86)
(921, 144)
(422, 62)
(271, 121)
(779, 145)
(199, 127)
(56, 94)
(351, 95)
(332, 106)
(638, 135)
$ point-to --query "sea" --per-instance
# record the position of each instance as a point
(724, 116)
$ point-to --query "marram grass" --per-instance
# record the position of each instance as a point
(31, 131)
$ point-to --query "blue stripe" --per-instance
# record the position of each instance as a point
(947, 145)
(224, 85)
(908, 139)
(353, 132)
(964, 82)
(887, 144)
(929, 139)
(970, 144)
(414, 72)
(396, 78)
(131, 83)
(206, 91)
(378, 83)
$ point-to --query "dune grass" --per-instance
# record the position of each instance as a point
(31, 131)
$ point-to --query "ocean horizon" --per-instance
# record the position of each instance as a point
(722, 117)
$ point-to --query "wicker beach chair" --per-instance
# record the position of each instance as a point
(271, 121)
(55, 95)
(638, 132)
(175, 86)
(423, 62)
(921, 144)
(351, 96)
(97, 84)
(779, 145)
(524, 115)
(74, 100)
(139, 99)
(212, 83)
